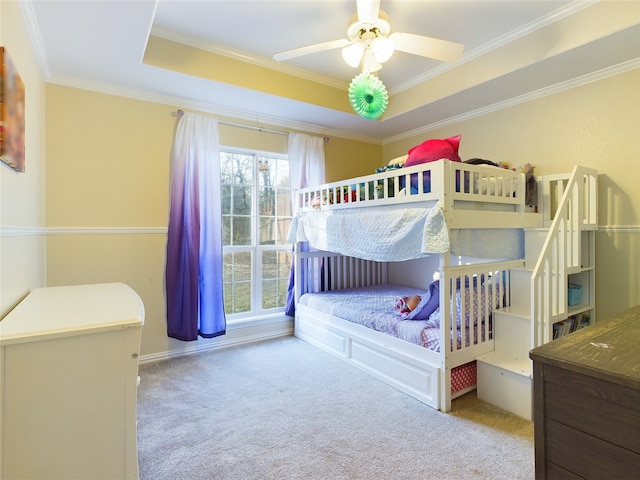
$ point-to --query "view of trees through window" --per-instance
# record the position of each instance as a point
(256, 214)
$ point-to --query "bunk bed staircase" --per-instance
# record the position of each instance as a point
(559, 261)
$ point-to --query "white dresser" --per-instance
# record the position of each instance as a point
(69, 370)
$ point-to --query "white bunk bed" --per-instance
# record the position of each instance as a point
(443, 208)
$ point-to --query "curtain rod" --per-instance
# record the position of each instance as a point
(180, 112)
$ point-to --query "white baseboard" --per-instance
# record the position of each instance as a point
(217, 344)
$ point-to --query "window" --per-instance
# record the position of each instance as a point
(256, 214)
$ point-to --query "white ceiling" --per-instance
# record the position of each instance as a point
(100, 45)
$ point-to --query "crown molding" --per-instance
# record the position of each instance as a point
(501, 41)
(34, 33)
(537, 94)
(248, 58)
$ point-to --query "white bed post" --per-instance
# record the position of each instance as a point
(445, 294)
(297, 272)
(445, 334)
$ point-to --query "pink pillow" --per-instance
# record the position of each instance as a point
(433, 150)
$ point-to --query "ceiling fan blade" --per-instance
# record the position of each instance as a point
(427, 46)
(368, 11)
(318, 47)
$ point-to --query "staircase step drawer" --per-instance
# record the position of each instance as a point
(505, 389)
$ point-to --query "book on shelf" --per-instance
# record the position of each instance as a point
(571, 324)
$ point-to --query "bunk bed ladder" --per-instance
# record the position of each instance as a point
(562, 250)
(568, 250)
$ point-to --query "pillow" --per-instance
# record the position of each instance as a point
(428, 304)
(430, 151)
(433, 150)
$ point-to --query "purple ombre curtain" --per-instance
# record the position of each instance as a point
(193, 276)
(306, 168)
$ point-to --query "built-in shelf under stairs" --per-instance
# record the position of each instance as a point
(559, 252)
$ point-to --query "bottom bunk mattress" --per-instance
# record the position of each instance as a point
(377, 307)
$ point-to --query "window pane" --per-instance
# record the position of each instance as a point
(226, 230)
(282, 175)
(226, 199)
(226, 168)
(237, 297)
(228, 298)
(227, 268)
(237, 267)
(266, 171)
(242, 169)
(237, 282)
(284, 265)
(269, 264)
(268, 231)
(242, 266)
(242, 294)
(274, 293)
(276, 264)
(241, 230)
(267, 201)
(283, 203)
(242, 198)
(283, 287)
(269, 294)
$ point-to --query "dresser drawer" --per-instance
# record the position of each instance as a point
(592, 386)
(588, 456)
(568, 404)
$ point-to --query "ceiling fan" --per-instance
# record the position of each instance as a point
(370, 43)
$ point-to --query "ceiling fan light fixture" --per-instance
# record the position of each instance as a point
(352, 54)
(369, 63)
(383, 49)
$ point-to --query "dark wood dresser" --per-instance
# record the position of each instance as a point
(587, 402)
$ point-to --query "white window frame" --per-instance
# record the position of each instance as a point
(256, 250)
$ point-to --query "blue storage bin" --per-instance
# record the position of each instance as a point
(575, 294)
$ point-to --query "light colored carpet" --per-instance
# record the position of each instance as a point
(283, 409)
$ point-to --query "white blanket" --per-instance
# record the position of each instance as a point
(381, 234)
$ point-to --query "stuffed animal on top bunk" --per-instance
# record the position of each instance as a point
(531, 187)
(431, 151)
(327, 198)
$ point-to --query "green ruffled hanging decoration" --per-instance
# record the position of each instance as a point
(368, 96)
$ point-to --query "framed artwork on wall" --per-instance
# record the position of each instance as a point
(12, 114)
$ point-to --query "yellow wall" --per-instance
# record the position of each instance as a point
(22, 243)
(348, 159)
(107, 174)
(108, 194)
(596, 125)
